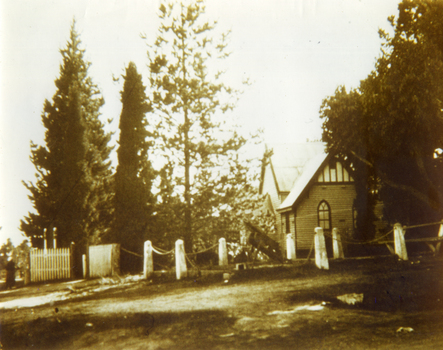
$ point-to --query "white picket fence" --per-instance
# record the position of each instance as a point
(50, 264)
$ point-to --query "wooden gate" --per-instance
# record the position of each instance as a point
(50, 264)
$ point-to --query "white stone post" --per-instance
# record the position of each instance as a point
(84, 265)
(440, 234)
(321, 256)
(336, 244)
(399, 242)
(180, 260)
(290, 247)
(148, 262)
(222, 252)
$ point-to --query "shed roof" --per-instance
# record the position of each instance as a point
(289, 160)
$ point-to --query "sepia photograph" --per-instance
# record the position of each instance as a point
(221, 174)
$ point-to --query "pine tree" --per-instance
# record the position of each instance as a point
(73, 170)
(133, 201)
(201, 147)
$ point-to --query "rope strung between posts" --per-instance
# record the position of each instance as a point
(350, 242)
(423, 225)
(155, 250)
(161, 249)
(203, 251)
(353, 241)
(159, 252)
(310, 251)
(191, 262)
(366, 242)
(128, 251)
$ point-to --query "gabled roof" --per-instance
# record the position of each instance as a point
(289, 160)
(303, 181)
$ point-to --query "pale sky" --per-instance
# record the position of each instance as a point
(295, 53)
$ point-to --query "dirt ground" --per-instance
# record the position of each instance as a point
(284, 307)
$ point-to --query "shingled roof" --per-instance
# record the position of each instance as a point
(288, 161)
(303, 180)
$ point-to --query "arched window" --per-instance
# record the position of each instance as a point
(324, 215)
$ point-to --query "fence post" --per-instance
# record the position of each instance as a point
(290, 247)
(180, 260)
(222, 252)
(27, 279)
(399, 242)
(72, 260)
(148, 262)
(321, 256)
(337, 245)
(440, 234)
(84, 265)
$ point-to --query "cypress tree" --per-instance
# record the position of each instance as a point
(134, 175)
(73, 170)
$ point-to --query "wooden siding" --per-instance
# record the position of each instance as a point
(340, 198)
(104, 260)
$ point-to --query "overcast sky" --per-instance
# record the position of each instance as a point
(295, 52)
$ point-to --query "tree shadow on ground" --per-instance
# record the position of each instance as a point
(58, 331)
(403, 290)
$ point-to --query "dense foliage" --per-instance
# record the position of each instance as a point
(204, 173)
(73, 172)
(391, 128)
(133, 200)
(182, 170)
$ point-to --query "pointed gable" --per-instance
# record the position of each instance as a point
(322, 169)
(302, 182)
(288, 161)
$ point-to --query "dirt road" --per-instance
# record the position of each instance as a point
(266, 308)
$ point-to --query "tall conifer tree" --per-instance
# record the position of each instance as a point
(201, 145)
(73, 169)
(133, 178)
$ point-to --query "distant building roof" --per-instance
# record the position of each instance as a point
(288, 161)
(303, 180)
